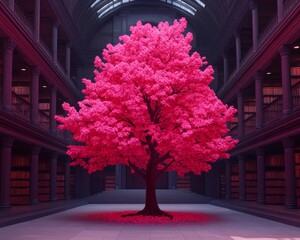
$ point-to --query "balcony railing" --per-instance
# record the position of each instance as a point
(289, 4)
(296, 95)
(273, 110)
(44, 120)
(234, 132)
(21, 106)
(250, 123)
(268, 30)
(23, 19)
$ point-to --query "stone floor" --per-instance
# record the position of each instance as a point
(223, 223)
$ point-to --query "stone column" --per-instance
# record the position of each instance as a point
(279, 10)
(259, 99)
(228, 179)
(238, 49)
(37, 20)
(254, 9)
(9, 46)
(34, 174)
(67, 178)
(53, 176)
(226, 70)
(286, 81)
(260, 175)
(35, 95)
(240, 114)
(290, 179)
(7, 143)
(242, 177)
(54, 40)
(172, 180)
(68, 59)
(118, 174)
(53, 110)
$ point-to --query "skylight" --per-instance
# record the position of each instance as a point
(200, 3)
(182, 5)
(115, 3)
(109, 6)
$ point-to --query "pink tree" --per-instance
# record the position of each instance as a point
(150, 107)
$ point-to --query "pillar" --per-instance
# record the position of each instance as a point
(67, 178)
(9, 46)
(260, 176)
(7, 143)
(242, 177)
(225, 62)
(279, 10)
(34, 174)
(254, 9)
(240, 114)
(286, 82)
(54, 41)
(172, 180)
(37, 20)
(259, 99)
(118, 176)
(289, 164)
(228, 179)
(53, 110)
(68, 59)
(238, 49)
(53, 176)
(35, 95)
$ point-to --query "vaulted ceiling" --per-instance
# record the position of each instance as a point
(207, 17)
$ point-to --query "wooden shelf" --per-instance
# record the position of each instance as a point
(251, 180)
(297, 176)
(60, 181)
(274, 179)
(234, 181)
(44, 183)
(20, 179)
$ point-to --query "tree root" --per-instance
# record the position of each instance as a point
(147, 212)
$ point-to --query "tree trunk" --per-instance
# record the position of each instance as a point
(151, 206)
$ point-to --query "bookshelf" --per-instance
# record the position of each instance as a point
(44, 183)
(20, 179)
(274, 179)
(184, 182)
(21, 100)
(297, 176)
(72, 182)
(44, 114)
(295, 82)
(251, 180)
(222, 182)
(234, 180)
(110, 181)
(60, 181)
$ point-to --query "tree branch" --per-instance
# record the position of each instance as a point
(164, 157)
(129, 121)
(165, 168)
(137, 169)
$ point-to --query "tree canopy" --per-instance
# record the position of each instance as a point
(150, 101)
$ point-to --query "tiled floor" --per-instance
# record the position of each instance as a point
(224, 224)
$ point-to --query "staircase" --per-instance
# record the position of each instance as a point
(135, 196)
